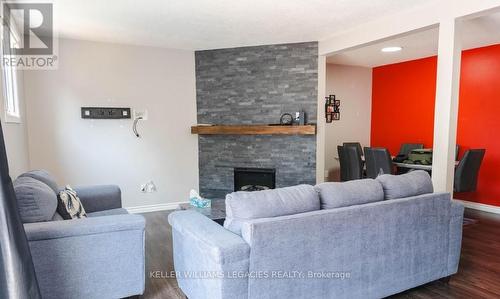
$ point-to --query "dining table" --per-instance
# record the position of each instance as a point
(413, 166)
(408, 165)
(417, 166)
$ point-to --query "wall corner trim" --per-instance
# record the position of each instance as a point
(154, 208)
(480, 206)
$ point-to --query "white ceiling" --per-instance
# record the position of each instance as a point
(208, 24)
(475, 33)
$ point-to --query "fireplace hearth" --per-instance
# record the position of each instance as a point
(254, 179)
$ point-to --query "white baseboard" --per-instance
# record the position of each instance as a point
(154, 208)
(480, 206)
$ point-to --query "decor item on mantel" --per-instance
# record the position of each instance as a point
(300, 118)
(286, 119)
(332, 108)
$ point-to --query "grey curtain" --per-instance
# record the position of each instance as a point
(17, 274)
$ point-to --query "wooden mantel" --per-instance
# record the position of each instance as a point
(253, 130)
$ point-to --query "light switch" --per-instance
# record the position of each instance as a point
(142, 114)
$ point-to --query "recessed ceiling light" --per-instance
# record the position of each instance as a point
(391, 49)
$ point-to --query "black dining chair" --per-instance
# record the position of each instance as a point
(351, 165)
(406, 148)
(467, 171)
(404, 151)
(355, 144)
(378, 161)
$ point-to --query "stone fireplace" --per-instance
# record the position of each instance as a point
(256, 85)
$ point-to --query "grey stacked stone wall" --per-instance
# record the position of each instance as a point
(255, 85)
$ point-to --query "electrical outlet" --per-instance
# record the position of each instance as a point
(143, 114)
(149, 187)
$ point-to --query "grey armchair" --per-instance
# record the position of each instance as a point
(101, 256)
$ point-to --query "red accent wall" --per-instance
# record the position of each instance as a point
(479, 118)
(403, 111)
(403, 96)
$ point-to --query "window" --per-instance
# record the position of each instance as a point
(9, 80)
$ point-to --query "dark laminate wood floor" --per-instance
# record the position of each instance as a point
(159, 257)
(477, 277)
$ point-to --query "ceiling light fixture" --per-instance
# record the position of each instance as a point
(391, 49)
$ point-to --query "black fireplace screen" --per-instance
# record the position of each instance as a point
(254, 179)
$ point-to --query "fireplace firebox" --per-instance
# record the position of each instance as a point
(254, 179)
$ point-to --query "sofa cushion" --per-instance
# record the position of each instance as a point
(119, 211)
(357, 192)
(413, 183)
(44, 177)
(244, 206)
(36, 201)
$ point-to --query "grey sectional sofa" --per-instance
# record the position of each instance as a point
(101, 256)
(360, 239)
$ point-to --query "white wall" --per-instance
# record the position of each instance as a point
(352, 85)
(83, 152)
(15, 134)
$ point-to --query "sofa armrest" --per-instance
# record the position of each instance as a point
(455, 244)
(457, 209)
(202, 247)
(101, 257)
(100, 197)
(84, 226)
